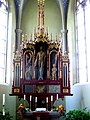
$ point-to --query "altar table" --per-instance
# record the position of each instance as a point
(37, 115)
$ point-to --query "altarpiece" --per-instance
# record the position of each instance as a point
(41, 71)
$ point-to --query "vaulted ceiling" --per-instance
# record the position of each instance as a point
(65, 4)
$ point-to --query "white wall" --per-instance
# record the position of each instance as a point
(80, 98)
(86, 96)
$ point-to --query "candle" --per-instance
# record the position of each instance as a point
(3, 99)
(57, 96)
(46, 99)
(24, 97)
(35, 99)
(22, 37)
(30, 98)
(51, 98)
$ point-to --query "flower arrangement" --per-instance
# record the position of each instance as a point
(60, 109)
(21, 108)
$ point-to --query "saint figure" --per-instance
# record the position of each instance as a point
(29, 68)
(40, 62)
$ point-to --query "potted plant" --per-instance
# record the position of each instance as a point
(7, 116)
(77, 115)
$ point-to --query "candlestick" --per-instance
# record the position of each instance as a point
(51, 98)
(3, 110)
(35, 99)
(57, 96)
(51, 105)
(24, 100)
(46, 99)
(30, 106)
(51, 102)
(47, 103)
(3, 99)
(24, 97)
(35, 102)
(30, 98)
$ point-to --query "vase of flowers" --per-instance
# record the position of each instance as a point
(21, 110)
(60, 109)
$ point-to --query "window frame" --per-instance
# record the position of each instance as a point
(4, 39)
(83, 67)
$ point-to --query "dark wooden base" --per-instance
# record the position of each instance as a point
(39, 115)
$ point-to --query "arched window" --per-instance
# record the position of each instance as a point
(82, 20)
(3, 38)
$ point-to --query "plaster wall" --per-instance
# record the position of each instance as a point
(85, 97)
(74, 102)
(80, 98)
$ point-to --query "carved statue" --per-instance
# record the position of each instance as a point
(29, 67)
(40, 62)
(54, 69)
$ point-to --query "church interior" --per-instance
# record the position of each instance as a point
(44, 49)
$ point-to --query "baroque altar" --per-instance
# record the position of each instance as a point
(41, 70)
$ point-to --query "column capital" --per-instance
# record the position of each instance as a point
(18, 30)
(64, 31)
